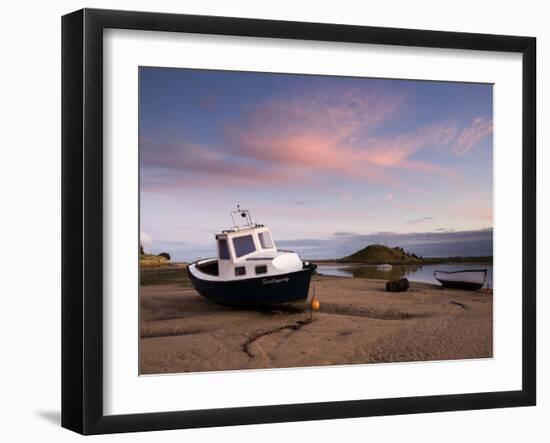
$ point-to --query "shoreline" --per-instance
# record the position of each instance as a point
(365, 264)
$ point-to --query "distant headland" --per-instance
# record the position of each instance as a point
(377, 254)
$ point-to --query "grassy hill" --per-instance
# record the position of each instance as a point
(152, 261)
(381, 254)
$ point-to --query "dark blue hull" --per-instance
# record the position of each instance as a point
(461, 285)
(261, 292)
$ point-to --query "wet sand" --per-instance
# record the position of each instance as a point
(358, 323)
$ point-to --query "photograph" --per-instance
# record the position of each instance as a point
(301, 220)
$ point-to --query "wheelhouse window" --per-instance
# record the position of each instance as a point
(261, 269)
(223, 249)
(240, 270)
(243, 245)
(265, 240)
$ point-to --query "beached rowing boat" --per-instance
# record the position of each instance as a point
(249, 270)
(468, 279)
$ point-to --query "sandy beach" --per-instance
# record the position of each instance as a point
(358, 322)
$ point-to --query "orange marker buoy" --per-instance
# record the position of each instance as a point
(315, 305)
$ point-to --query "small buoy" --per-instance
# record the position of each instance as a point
(315, 305)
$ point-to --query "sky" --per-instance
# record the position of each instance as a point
(330, 164)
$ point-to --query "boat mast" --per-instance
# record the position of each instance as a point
(243, 213)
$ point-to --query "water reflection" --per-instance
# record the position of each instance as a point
(418, 273)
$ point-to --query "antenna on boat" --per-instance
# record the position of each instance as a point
(243, 213)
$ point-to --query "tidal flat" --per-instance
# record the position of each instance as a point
(358, 323)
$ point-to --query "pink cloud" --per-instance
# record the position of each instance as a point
(295, 139)
(396, 152)
(484, 213)
(335, 133)
(470, 136)
(310, 130)
(188, 164)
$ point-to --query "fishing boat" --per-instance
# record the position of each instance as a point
(249, 270)
(473, 279)
(384, 267)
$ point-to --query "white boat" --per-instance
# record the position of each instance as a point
(249, 270)
(468, 279)
(384, 267)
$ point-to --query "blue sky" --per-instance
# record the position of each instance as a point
(311, 157)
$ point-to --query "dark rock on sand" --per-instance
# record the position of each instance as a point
(401, 285)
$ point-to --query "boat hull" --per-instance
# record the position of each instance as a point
(461, 285)
(470, 280)
(261, 292)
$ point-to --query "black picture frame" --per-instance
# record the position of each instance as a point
(82, 218)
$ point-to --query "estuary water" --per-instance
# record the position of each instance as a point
(417, 273)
